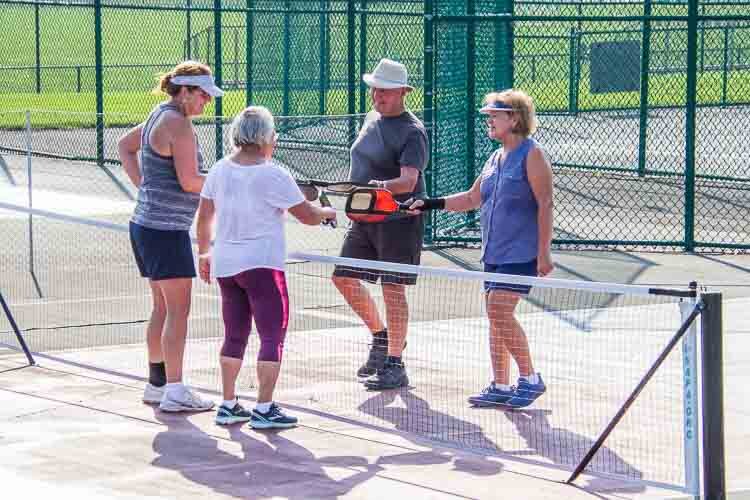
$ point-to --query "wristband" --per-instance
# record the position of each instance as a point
(204, 255)
(433, 204)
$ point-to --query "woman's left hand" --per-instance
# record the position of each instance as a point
(204, 267)
(544, 264)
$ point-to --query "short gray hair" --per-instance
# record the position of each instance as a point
(254, 126)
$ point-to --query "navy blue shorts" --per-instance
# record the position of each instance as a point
(162, 255)
(518, 269)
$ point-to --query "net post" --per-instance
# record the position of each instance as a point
(16, 330)
(714, 467)
(687, 322)
(690, 398)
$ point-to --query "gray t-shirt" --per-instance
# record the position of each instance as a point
(384, 145)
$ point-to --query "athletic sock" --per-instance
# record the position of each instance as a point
(502, 387)
(157, 374)
(380, 339)
(263, 407)
(532, 378)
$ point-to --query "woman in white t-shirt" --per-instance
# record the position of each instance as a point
(248, 194)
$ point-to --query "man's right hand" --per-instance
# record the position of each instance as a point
(328, 215)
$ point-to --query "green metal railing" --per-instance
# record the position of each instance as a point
(637, 167)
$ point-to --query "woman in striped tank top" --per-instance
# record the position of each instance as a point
(163, 159)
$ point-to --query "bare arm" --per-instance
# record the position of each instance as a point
(309, 214)
(204, 229)
(185, 154)
(405, 183)
(128, 147)
(459, 202)
(539, 172)
(467, 200)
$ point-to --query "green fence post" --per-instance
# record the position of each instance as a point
(249, 53)
(322, 87)
(218, 59)
(471, 100)
(573, 72)
(99, 76)
(351, 66)
(703, 41)
(725, 67)
(327, 58)
(208, 46)
(285, 62)
(363, 55)
(504, 48)
(189, 30)
(236, 57)
(645, 61)
(429, 117)
(37, 49)
(690, 124)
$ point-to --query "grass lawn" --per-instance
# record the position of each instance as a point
(137, 43)
(127, 108)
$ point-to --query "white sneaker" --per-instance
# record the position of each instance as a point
(185, 400)
(153, 394)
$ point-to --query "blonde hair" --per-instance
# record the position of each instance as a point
(185, 68)
(523, 107)
(254, 126)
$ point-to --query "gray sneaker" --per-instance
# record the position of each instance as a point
(375, 361)
(152, 394)
(187, 400)
(392, 376)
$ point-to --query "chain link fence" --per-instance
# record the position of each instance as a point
(640, 104)
(643, 104)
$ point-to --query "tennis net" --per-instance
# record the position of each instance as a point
(85, 303)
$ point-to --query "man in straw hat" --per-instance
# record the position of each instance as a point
(390, 152)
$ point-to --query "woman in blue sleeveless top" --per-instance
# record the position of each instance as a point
(514, 195)
(162, 158)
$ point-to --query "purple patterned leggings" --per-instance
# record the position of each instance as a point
(259, 294)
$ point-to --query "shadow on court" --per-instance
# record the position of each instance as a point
(565, 448)
(544, 443)
(416, 417)
(261, 464)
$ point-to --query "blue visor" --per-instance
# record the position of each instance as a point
(495, 106)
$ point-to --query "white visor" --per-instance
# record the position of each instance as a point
(205, 82)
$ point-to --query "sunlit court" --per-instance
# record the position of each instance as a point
(320, 249)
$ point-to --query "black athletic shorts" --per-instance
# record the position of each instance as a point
(399, 240)
(162, 255)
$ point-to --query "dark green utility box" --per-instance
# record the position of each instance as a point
(615, 66)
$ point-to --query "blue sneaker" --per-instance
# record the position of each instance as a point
(273, 419)
(526, 393)
(228, 416)
(492, 396)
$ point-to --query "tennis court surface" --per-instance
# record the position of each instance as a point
(75, 422)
